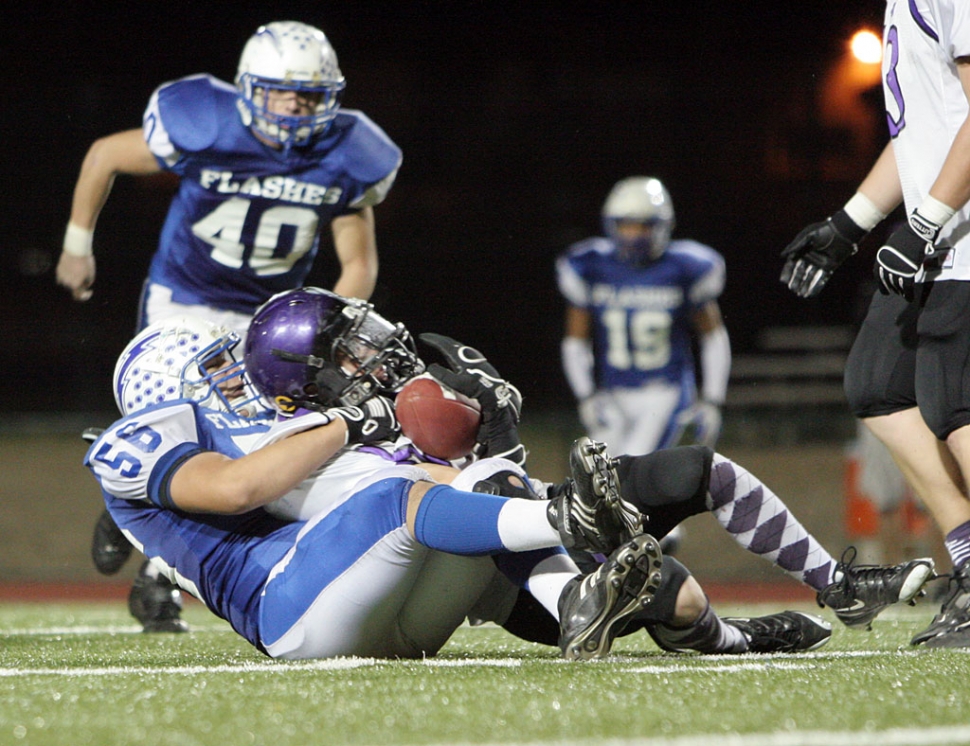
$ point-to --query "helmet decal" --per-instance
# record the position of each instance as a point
(287, 56)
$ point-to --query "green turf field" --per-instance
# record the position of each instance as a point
(77, 674)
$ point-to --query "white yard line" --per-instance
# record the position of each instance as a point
(725, 664)
(953, 734)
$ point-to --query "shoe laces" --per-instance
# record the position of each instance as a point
(757, 628)
(848, 581)
(776, 633)
(854, 575)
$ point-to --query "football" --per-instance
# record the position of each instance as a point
(439, 421)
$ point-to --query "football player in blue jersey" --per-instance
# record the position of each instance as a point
(264, 166)
(637, 301)
(390, 560)
(396, 560)
(327, 362)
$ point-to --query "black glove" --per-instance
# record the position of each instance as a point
(371, 422)
(469, 373)
(908, 248)
(818, 251)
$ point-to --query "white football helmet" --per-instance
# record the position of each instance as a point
(288, 56)
(167, 361)
(640, 199)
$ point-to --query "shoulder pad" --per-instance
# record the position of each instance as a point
(703, 267)
(584, 248)
(695, 251)
(191, 109)
(371, 154)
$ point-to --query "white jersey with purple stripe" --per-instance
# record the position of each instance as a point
(246, 219)
(348, 471)
(641, 314)
(926, 105)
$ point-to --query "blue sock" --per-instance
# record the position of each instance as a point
(459, 522)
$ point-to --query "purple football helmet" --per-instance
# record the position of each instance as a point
(315, 349)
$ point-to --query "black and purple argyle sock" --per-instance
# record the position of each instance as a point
(761, 523)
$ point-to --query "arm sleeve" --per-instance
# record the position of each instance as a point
(577, 364)
(715, 353)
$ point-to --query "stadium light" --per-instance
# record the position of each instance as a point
(866, 47)
(842, 106)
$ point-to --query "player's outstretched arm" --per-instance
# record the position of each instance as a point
(211, 482)
(121, 153)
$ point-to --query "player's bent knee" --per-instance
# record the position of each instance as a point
(691, 603)
(665, 607)
(674, 475)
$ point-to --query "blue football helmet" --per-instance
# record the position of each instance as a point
(288, 56)
(183, 357)
(643, 200)
(315, 349)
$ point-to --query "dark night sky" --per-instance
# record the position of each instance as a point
(514, 119)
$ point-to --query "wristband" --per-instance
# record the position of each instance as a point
(933, 210)
(863, 212)
(78, 241)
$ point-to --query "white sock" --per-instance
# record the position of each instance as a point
(522, 526)
(548, 578)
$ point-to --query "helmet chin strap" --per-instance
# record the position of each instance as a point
(348, 393)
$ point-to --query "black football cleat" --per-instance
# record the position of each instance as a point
(594, 609)
(590, 514)
(110, 549)
(786, 632)
(863, 591)
(156, 602)
(951, 627)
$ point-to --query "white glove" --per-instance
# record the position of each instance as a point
(701, 423)
(589, 413)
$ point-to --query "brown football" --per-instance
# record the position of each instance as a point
(439, 421)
